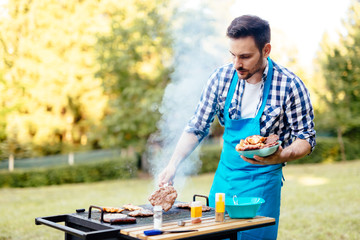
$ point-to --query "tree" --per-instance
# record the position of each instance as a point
(134, 59)
(341, 66)
(49, 68)
(51, 96)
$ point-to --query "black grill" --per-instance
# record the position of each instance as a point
(89, 225)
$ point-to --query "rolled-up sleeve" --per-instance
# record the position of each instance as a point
(300, 113)
(206, 109)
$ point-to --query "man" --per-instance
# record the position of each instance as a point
(251, 96)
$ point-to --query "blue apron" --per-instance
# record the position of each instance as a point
(235, 176)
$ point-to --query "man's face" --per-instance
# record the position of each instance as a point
(248, 60)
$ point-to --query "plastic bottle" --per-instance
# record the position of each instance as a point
(219, 207)
(157, 217)
(196, 212)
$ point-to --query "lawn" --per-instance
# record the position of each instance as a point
(318, 202)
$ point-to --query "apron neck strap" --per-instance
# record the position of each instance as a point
(266, 88)
(230, 95)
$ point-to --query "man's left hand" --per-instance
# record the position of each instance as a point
(298, 149)
(275, 158)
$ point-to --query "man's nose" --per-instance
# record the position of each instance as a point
(237, 63)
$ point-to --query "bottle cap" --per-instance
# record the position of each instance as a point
(157, 208)
(220, 197)
(196, 204)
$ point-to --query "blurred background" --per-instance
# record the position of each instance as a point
(94, 90)
(119, 78)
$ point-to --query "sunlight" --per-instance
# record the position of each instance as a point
(313, 181)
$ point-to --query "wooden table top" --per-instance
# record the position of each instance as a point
(207, 226)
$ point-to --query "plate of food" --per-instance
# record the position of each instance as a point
(258, 145)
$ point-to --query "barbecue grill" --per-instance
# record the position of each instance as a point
(90, 225)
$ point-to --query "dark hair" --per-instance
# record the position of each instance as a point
(248, 25)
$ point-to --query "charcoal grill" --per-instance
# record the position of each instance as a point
(89, 225)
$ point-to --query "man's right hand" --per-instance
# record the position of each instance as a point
(167, 175)
(186, 144)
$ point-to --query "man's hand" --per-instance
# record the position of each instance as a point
(167, 175)
(185, 146)
(298, 149)
(278, 157)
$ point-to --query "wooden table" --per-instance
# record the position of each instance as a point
(207, 229)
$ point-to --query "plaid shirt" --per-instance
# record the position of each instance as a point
(288, 111)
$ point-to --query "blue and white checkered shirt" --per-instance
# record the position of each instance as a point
(288, 111)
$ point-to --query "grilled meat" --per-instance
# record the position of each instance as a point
(131, 207)
(164, 196)
(141, 213)
(118, 218)
(257, 142)
(113, 209)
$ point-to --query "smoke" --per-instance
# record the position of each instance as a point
(199, 48)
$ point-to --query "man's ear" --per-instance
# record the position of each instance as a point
(266, 50)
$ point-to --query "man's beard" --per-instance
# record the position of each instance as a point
(258, 67)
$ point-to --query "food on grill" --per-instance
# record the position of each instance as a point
(164, 196)
(141, 213)
(131, 207)
(183, 205)
(257, 142)
(113, 209)
(205, 208)
(118, 218)
(187, 205)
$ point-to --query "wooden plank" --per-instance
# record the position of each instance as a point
(139, 232)
(165, 226)
(208, 225)
(211, 229)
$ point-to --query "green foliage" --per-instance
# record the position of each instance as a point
(134, 60)
(341, 67)
(210, 157)
(327, 150)
(49, 69)
(51, 97)
(93, 172)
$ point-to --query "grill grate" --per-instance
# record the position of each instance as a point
(174, 214)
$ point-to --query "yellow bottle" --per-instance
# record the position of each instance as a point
(196, 212)
(219, 207)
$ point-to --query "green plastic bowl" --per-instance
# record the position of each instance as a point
(264, 152)
(246, 207)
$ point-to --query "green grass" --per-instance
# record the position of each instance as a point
(321, 202)
(318, 202)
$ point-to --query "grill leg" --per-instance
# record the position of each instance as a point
(233, 236)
